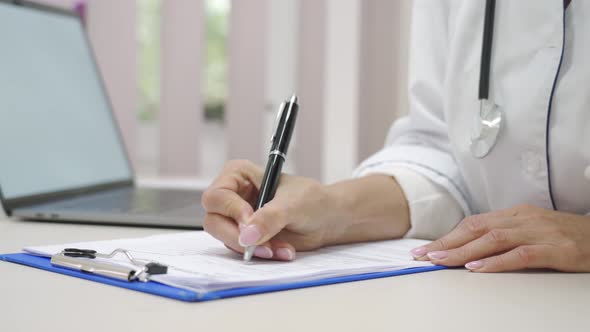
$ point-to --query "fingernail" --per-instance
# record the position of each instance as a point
(474, 265)
(249, 235)
(437, 255)
(285, 254)
(263, 252)
(418, 252)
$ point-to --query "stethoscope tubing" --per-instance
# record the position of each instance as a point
(486, 50)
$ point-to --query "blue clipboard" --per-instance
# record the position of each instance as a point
(156, 288)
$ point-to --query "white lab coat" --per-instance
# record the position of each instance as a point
(542, 152)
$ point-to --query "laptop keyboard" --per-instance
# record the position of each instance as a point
(136, 201)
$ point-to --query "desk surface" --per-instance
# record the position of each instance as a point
(452, 300)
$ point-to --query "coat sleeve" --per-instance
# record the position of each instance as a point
(419, 142)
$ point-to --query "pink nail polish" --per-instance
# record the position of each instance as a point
(418, 252)
(474, 265)
(285, 254)
(438, 255)
(249, 235)
(263, 252)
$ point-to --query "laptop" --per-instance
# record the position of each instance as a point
(61, 153)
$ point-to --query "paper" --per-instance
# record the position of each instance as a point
(201, 263)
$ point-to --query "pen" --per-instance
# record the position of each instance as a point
(276, 158)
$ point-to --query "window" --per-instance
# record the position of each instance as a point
(214, 85)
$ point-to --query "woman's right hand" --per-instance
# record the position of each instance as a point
(301, 216)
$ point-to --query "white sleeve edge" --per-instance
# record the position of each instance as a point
(433, 210)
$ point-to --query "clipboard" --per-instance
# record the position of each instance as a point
(155, 288)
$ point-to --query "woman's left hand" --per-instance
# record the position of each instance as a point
(514, 239)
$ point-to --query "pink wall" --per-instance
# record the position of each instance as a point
(247, 78)
(182, 35)
(112, 26)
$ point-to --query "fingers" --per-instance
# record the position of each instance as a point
(242, 169)
(468, 230)
(282, 250)
(523, 257)
(227, 203)
(263, 225)
(494, 242)
(519, 238)
(233, 192)
(226, 230)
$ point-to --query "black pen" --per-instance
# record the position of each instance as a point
(276, 158)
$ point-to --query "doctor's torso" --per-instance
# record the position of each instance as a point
(540, 80)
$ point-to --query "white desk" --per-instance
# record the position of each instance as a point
(35, 300)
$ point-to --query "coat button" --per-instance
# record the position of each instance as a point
(587, 173)
(533, 164)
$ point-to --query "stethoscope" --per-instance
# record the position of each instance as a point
(488, 121)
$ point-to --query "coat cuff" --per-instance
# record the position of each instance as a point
(418, 159)
(433, 211)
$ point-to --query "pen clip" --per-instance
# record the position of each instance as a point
(276, 124)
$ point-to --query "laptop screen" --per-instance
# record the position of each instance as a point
(56, 127)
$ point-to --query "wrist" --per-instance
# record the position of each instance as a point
(340, 203)
(366, 209)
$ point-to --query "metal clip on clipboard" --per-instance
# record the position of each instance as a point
(84, 260)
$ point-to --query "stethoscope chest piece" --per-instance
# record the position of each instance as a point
(486, 128)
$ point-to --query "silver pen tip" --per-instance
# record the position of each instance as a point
(248, 253)
(293, 99)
